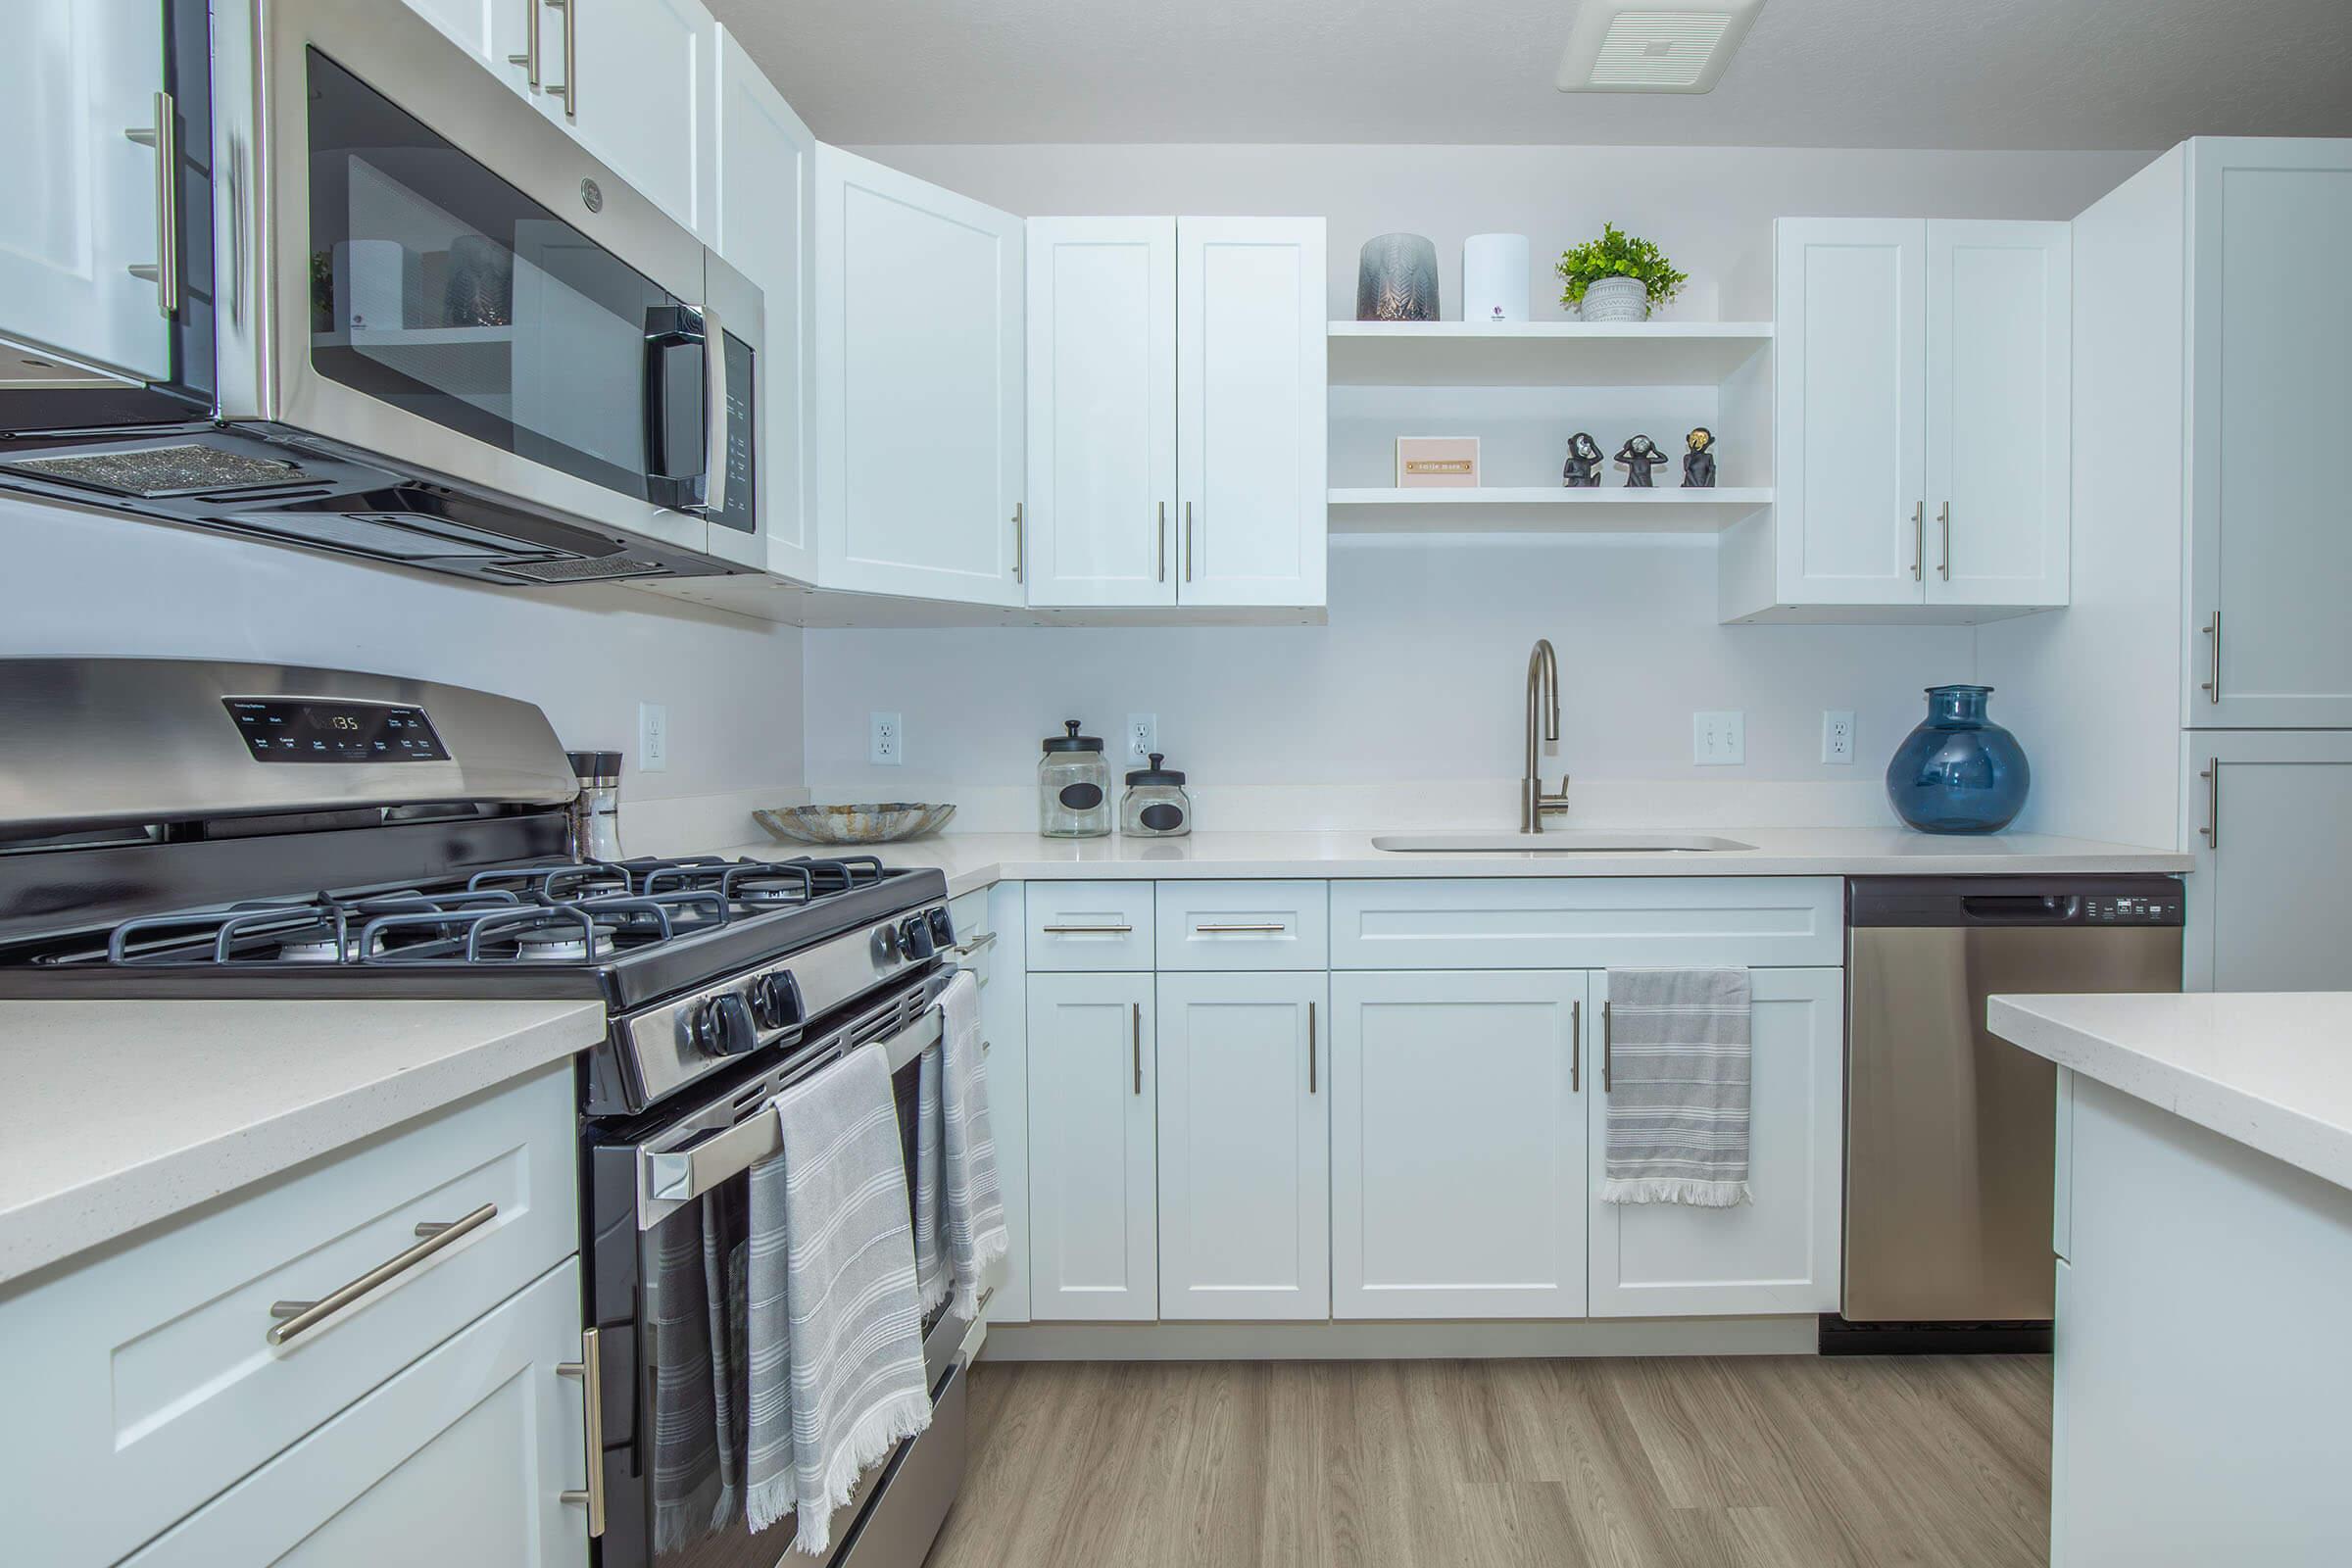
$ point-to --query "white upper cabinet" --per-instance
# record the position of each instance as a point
(634, 80)
(2000, 412)
(1101, 410)
(2270, 402)
(918, 401)
(77, 79)
(1252, 410)
(1923, 404)
(766, 169)
(498, 33)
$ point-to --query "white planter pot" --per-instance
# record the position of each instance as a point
(1616, 299)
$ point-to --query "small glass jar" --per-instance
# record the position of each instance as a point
(1155, 805)
(1073, 786)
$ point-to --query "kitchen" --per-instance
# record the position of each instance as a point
(1303, 1136)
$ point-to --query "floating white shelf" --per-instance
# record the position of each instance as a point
(1541, 353)
(1534, 509)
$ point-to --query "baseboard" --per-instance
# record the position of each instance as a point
(1400, 1341)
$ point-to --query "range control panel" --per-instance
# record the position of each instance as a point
(278, 730)
(2162, 908)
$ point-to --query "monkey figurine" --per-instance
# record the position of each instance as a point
(1639, 456)
(1581, 471)
(1698, 464)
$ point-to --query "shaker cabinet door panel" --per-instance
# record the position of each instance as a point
(1094, 1246)
(2271, 822)
(642, 96)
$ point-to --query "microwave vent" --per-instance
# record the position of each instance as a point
(153, 474)
(582, 568)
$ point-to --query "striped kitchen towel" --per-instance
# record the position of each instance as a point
(931, 1276)
(692, 1491)
(833, 1341)
(975, 1205)
(1677, 1079)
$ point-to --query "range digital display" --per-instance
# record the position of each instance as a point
(278, 730)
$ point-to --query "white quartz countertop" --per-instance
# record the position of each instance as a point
(2272, 1070)
(976, 859)
(116, 1115)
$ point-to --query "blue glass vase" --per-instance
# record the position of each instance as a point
(1958, 772)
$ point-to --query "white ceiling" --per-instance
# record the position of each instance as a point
(1899, 74)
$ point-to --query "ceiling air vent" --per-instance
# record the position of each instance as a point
(1653, 46)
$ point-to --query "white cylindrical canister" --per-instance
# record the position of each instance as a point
(1494, 278)
(368, 276)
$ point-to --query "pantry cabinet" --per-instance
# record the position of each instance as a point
(1245, 1147)
(919, 450)
(1094, 1242)
(81, 80)
(1922, 416)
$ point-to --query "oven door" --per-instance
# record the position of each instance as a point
(664, 1247)
(443, 280)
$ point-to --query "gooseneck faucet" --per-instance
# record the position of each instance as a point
(1544, 708)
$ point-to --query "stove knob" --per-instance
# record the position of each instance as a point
(776, 1001)
(914, 939)
(942, 929)
(723, 1026)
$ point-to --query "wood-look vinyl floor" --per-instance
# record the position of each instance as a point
(1646, 1463)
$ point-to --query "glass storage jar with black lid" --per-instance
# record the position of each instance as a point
(1155, 805)
(1073, 786)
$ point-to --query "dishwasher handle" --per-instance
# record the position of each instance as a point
(2022, 908)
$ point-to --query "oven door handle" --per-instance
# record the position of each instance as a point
(685, 1174)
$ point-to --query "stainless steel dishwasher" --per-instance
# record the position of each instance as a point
(1949, 1129)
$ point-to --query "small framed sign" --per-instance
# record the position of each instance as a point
(1437, 462)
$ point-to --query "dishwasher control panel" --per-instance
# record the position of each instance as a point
(2162, 908)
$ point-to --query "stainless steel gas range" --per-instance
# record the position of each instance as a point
(178, 829)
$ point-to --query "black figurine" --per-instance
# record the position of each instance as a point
(1640, 456)
(1698, 464)
(1581, 471)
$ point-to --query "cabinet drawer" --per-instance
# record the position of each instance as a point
(1245, 925)
(143, 1382)
(1587, 922)
(1090, 925)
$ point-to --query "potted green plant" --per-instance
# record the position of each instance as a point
(1616, 277)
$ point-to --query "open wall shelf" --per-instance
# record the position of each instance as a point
(1541, 353)
(1535, 509)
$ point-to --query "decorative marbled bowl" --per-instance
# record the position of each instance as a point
(879, 823)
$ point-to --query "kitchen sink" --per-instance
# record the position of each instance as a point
(1568, 841)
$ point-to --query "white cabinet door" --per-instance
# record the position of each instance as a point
(634, 80)
(1251, 409)
(1457, 1141)
(1851, 336)
(1780, 1252)
(918, 387)
(1094, 1247)
(460, 1462)
(766, 230)
(2270, 532)
(74, 76)
(2270, 821)
(1245, 1147)
(1999, 408)
(497, 32)
(1101, 410)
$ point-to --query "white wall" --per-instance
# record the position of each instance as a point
(85, 583)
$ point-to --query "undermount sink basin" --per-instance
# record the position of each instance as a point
(1568, 841)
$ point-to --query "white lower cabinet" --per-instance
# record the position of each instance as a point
(1094, 1245)
(1457, 1144)
(2270, 821)
(460, 1462)
(1245, 1147)
(1780, 1252)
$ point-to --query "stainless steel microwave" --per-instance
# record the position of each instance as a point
(411, 320)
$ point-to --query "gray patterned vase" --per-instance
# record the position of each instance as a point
(1396, 279)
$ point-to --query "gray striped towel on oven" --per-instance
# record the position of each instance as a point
(833, 1349)
(692, 1491)
(1679, 1056)
(975, 1205)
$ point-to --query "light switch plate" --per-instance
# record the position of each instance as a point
(1837, 735)
(1719, 740)
(1143, 737)
(885, 741)
(653, 738)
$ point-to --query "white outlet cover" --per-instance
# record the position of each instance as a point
(886, 740)
(653, 738)
(1143, 736)
(1837, 736)
(1719, 739)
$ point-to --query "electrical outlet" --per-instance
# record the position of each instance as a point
(653, 738)
(885, 741)
(1718, 740)
(1143, 736)
(1837, 735)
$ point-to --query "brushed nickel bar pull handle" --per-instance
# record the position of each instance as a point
(1575, 1046)
(1086, 930)
(1136, 1033)
(2213, 632)
(300, 1317)
(1160, 551)
(2212, 831)
(1919, 538)
(1310, 1047)
(1606, 1048)
(979, 944)
(590, 1370)
(163, 137)
(1273, 928)
(529, 58)
(1188, 541)
(1943, 520)
(1020, 542)
(569, 89)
